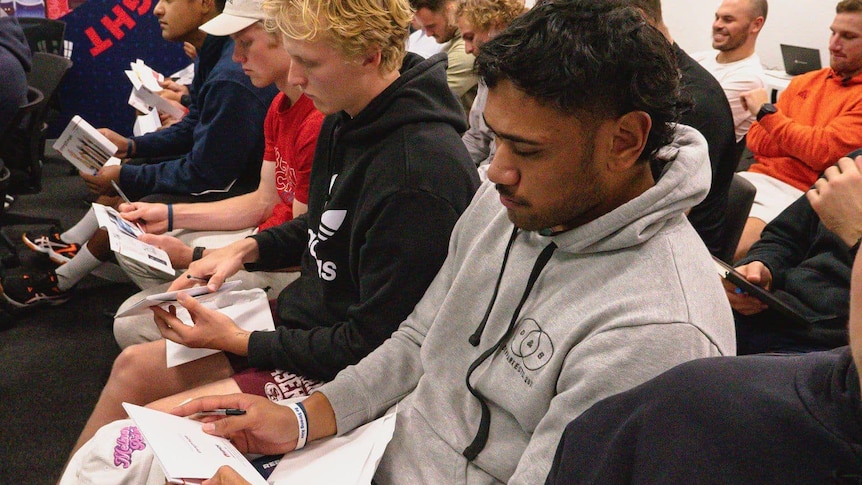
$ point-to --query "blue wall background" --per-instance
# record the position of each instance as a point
(107, 36)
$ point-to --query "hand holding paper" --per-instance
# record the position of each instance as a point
(212, 329)
(100, 182)
(178, 251)
(185, 451)
(266, 427)
(123, 237)
(156, 216)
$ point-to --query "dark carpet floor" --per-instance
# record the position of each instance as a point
(53, 360)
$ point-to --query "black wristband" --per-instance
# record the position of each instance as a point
(855, 248)
(197, 253)
(185, 100)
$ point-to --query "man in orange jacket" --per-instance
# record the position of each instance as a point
(817, 120)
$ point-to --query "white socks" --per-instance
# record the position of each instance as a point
(83, 230)
(69, 274)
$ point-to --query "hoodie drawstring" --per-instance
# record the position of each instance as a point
(481, 438)
(477, 335)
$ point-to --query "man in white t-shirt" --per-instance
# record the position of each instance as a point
(733, 62)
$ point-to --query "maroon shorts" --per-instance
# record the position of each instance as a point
(277, 385)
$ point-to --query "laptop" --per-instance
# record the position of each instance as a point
(799, 60)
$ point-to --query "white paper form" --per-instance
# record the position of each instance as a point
(349, 459)
(123, 237)
(184, 450)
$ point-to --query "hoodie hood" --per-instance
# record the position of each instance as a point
(684, 182)
(12, 39)
(420, 94)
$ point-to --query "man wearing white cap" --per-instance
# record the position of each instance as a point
(290, 132)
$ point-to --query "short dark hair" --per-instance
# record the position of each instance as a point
(432, 5)
(589, 59)
(650, 8)
(849, 6)
(759, 8)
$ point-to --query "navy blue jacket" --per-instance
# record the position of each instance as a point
(219, 142)
(764, 419)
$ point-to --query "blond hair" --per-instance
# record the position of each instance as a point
(351, 26)
(487, 14)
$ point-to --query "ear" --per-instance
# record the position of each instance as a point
(628, 135)
(372, 58)
(757, 24)
(208, 6)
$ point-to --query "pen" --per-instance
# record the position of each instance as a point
(196, 278)
(127, 201)
(120, 191)
(222, 412)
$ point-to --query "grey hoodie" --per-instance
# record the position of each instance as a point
(14, 62)
(624, 298)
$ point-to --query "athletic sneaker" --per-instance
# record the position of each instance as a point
(27, 290)
(59, 251)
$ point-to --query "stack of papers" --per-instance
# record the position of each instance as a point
(145, 89)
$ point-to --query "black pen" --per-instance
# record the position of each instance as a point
(196, 278)
(222, 412)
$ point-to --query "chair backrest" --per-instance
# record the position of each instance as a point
(44, 35)
(23, 116)
(46, 74)
(23, 144)
(740, 196)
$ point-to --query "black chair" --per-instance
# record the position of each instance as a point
(44, 35)
(10, 146)
(45, 75)
(740, 197)
(23, 153)
(16, 143)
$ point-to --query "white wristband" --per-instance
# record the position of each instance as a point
(302, 421)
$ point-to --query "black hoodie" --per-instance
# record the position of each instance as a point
(14, 63)
(386, 190)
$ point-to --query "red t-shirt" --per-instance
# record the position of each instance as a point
(290, 132)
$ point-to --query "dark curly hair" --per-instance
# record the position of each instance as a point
(590, 59)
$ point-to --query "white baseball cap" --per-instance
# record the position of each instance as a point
(237, 15)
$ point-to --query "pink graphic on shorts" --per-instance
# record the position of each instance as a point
(129, 441)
